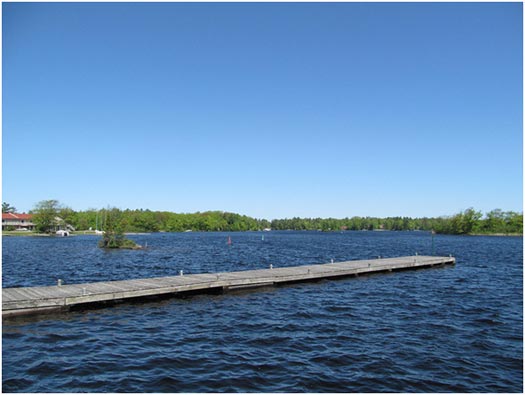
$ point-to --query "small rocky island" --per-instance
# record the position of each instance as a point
(118, 241)
(113, 236)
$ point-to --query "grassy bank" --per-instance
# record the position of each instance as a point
(23, 234)
(497, 234)
(34, 234)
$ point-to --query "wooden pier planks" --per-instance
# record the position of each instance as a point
(33, 300)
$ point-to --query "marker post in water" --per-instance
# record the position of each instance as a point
(433, 233)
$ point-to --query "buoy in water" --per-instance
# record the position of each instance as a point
(229, 241)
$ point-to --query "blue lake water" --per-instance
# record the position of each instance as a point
(451, 329)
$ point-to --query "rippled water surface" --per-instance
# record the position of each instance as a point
(451, 329)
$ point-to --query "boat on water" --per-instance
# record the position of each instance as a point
(62, 233)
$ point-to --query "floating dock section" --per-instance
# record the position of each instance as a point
(37, 300)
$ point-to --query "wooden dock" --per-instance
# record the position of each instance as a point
(37, 300)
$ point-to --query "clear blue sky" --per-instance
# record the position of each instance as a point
(271, 110)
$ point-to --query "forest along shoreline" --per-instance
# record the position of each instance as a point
(48, 216)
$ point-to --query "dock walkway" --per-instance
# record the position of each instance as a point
(35, 300)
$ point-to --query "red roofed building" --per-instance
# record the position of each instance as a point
(17, 221)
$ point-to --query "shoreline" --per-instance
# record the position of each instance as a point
(92, 233)
(496, 234)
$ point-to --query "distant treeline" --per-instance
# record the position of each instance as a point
(469, 221)
(48, 215)
(465, 222)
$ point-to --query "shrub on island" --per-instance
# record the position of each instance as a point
(113, 236)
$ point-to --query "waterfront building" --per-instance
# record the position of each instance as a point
(15, 221)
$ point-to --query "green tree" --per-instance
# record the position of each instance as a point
(85, 219)
(174, 223)
(494, 222)
(514, 222)
(471, 219)
(45, 214)
(464, 222)
(113, 237)
(67, 215)
(7, 208)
